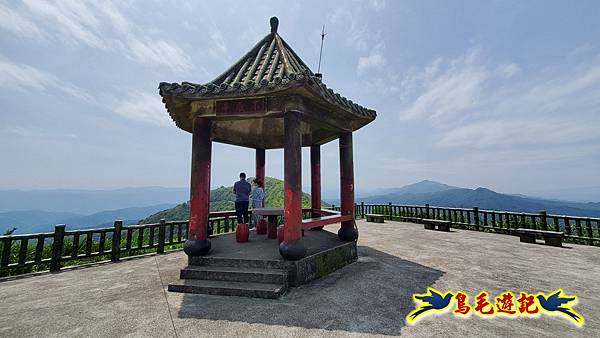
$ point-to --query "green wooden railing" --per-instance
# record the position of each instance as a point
(578, 230)
(52, 251)
(20, 254)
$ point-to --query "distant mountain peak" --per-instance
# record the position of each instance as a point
(427, 186)
(429, 181)
(484, 198)
(424, 186)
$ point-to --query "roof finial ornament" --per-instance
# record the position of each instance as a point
(274, 24)
(318, 74)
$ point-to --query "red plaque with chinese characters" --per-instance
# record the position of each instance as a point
(239, 107)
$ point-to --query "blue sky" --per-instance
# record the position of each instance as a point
(501, 94)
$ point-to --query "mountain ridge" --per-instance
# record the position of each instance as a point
(483, 198)
(423, 192)
(86, 202)
(32, 221)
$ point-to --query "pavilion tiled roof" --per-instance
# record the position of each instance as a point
(269, 67)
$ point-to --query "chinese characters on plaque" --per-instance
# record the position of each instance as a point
(237, 107)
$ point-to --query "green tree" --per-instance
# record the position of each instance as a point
(9, 232)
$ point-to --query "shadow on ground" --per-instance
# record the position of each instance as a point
(373, 296)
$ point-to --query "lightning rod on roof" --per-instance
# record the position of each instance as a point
(321, 53)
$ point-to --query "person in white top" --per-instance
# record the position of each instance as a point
(258, 199)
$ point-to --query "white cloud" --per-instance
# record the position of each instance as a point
(24, 77)
(375, 59)
(385, 85)
(21, 76)
(359, 36)
(508, 70)
(13, 22)
(73, 19)
(581, 50)
(96, 24)
(160, 53)
(142, 48)
(357, 32)
(145, 107)
(117, 20)
(509, 133)
(444, 94)
(377, 5)
(218, 47)
(472, 104)
(36, 133)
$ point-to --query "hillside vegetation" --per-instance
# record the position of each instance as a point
(222, 199)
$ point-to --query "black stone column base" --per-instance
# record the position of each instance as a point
(292, 251)
(348, 232)
(197, 248)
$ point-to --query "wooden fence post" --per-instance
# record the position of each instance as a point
(427, 210)
(115, 253)
(567, 226)
(543, 220)
(362, 209)
(588, 231)
(57, 247)
(476, 217)
(160, 248)
(5, 256)
(578, 228)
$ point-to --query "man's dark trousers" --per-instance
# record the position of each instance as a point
(241, 211)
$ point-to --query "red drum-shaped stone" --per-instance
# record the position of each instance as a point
(261, 227)
(242, 233)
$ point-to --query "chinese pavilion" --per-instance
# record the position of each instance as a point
(269, 99)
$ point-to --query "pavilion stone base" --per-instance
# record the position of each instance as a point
(255, 268)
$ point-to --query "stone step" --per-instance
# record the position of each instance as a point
(235, 274)
(239, 263)
(228, 288)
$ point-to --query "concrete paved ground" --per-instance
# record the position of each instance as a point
(370, 297)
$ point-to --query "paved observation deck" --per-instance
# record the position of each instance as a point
(369, 297)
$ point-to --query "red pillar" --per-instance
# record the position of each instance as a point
(260, 164)
(348, 231)
(198, 243)
(292, 247)
(315, 177)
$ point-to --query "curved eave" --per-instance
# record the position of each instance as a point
(318, 88)
(179, 122)
(187, 92)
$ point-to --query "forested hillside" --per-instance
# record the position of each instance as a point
(222, 199)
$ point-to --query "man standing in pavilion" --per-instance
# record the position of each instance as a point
(242, 190)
